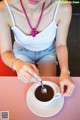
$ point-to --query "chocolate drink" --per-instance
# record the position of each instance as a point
(44, 97)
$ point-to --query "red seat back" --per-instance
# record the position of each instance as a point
(5, 70)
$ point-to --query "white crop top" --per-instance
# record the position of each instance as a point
(41, 41)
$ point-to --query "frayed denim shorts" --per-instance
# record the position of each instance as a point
(35, 57)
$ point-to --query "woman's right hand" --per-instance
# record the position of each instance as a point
(27, 72)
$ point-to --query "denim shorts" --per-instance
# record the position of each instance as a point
(35, 57)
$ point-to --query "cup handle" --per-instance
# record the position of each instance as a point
(57, 95)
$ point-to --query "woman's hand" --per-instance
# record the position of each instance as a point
(65, 81)
(27, 72)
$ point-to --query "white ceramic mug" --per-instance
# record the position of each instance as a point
(55, 89)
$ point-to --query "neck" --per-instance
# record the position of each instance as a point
(36, 10)
(31, 9)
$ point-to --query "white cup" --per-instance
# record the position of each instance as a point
(55, 89)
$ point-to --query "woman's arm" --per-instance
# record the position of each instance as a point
(5, 39)
(62, 32)
(61, 48)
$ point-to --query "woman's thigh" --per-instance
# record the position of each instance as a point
(47, 69)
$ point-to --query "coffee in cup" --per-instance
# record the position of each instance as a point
(44, 96)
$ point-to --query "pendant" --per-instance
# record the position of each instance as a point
(34, 32)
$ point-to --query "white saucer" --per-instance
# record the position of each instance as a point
(43, 111)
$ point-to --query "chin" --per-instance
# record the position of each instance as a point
(33, 4)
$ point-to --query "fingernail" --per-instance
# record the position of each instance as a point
(39, 79)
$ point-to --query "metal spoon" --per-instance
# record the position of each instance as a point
(43, 89)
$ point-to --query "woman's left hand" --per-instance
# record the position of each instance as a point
(65, 80)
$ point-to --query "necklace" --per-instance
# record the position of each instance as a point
(34, 31)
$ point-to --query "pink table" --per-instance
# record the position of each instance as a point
(13, 94)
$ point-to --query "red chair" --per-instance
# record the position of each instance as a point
(5, 70)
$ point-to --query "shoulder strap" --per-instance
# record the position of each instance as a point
(56, 9)
(10, 12)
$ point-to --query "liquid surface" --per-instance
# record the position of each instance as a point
(44, 96)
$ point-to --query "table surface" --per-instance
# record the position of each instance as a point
(13, 99)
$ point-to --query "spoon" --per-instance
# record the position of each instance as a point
(43, 89)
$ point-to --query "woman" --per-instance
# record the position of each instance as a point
(36, 24)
